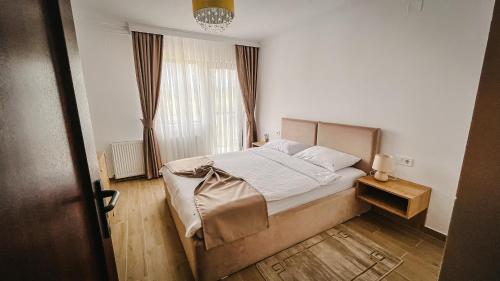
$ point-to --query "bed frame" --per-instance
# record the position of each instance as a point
(294, 225)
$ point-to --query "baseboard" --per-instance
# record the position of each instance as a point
(127, 179)
(418, 222)
(436, 234)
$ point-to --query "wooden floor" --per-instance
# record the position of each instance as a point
(147, 247)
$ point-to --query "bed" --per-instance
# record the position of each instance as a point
(291, 219)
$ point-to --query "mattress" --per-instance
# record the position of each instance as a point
(285, 182)
(347, 178)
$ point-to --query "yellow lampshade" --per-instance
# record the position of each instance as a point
(383, 163)
(224, 4)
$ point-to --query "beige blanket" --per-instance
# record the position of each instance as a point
(229, 207)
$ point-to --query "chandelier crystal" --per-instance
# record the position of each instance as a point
(213, 15)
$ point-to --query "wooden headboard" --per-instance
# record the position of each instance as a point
(303, 131)
(363, 142)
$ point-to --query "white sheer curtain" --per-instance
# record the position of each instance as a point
(200, 110)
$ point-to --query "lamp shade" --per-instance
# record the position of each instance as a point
(383, 163)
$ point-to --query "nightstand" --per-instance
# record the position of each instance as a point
(258, 143)
(402, 198)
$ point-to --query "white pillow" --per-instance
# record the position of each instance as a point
(286, 146)
(327, 158)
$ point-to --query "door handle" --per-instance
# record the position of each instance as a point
(103, 210)
(114, 194)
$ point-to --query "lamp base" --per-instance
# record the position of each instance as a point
(381, 176)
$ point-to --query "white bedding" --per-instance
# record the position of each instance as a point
(284, 181)
(347, 178)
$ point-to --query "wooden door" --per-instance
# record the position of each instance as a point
(473, 246)
(51, 224)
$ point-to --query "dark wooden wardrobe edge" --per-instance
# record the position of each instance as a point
(472, 249)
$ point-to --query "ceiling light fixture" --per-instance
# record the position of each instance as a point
(213, 15)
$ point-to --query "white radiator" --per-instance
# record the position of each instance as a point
(128, 159)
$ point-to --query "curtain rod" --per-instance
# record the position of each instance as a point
(189, 34)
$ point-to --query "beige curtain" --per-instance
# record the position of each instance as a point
(247, 60)
(148, 61)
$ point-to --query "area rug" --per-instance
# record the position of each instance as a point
(339, 254)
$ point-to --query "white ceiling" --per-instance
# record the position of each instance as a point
(254, 19)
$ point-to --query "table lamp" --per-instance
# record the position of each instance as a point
(382, 164)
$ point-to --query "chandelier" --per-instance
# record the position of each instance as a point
(213, 15)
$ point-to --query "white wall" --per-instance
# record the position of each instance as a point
(108, 67)
(372, 63)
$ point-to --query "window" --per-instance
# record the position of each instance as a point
(200, 109)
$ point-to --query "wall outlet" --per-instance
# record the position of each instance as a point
(405, 161)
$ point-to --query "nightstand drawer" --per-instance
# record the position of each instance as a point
(387, 201)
